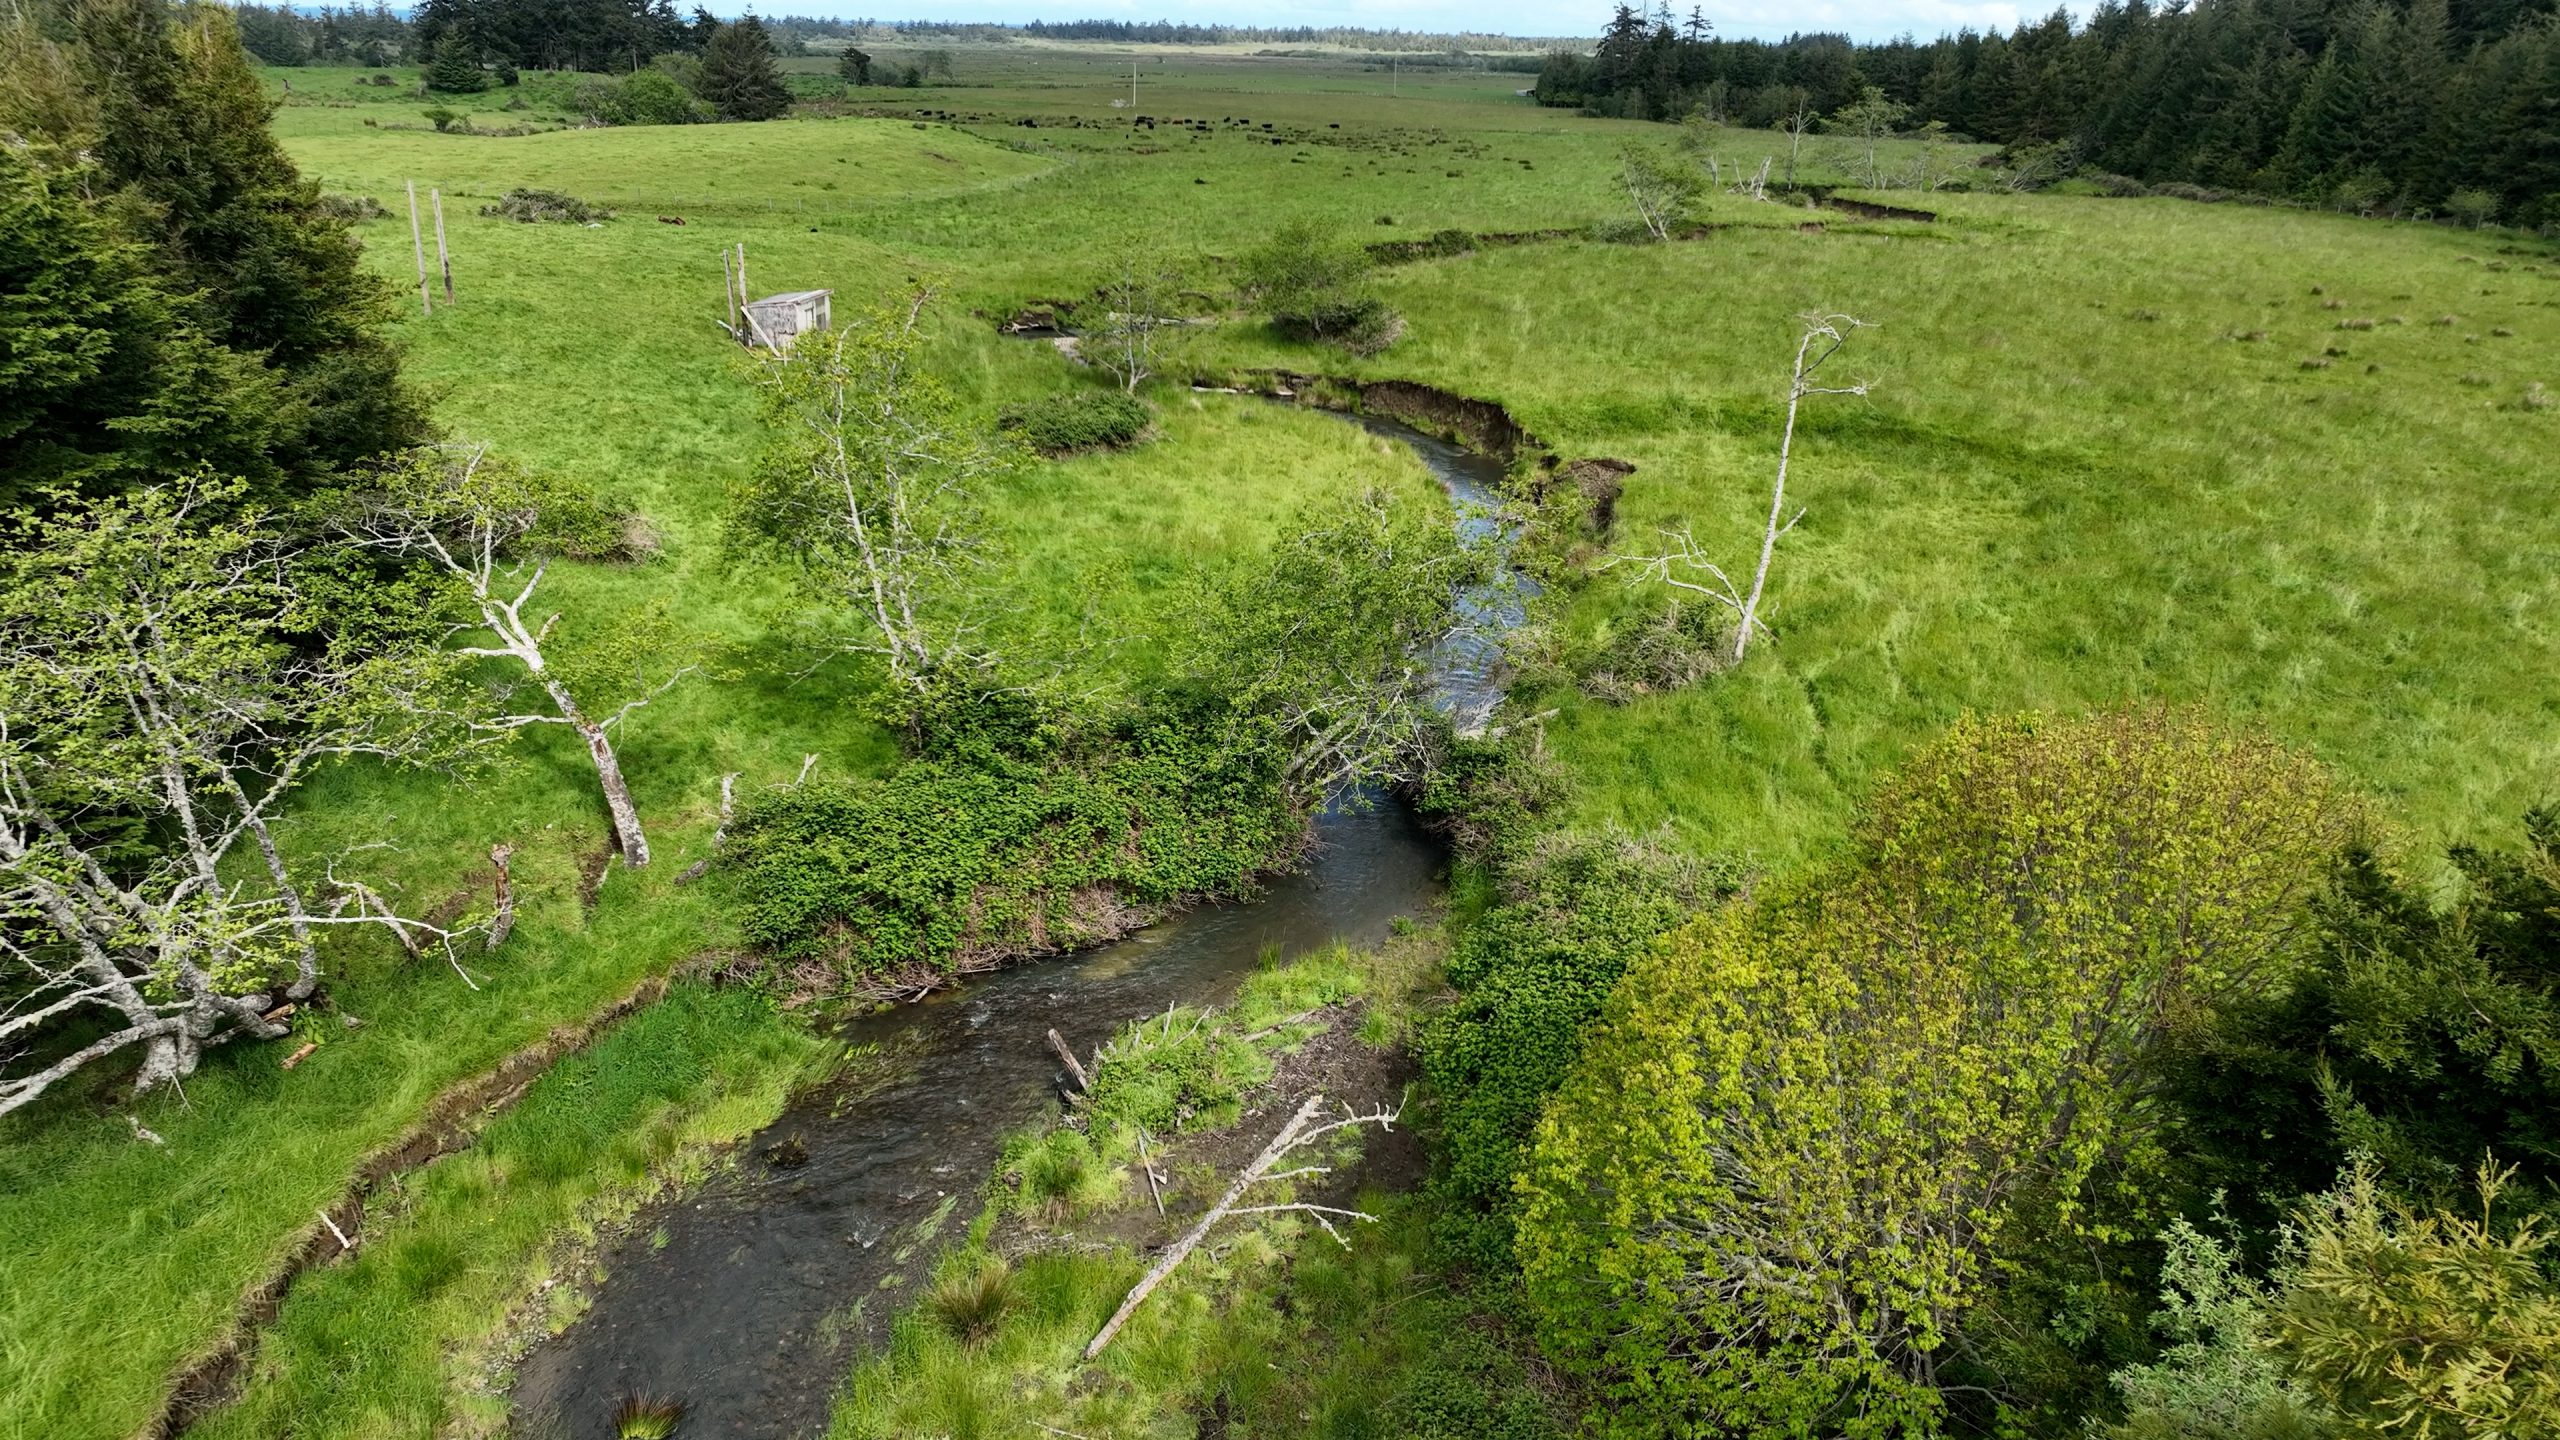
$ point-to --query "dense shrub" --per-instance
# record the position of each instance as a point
(645, 97)
(1775, 1183)
(964, 861)
(1665, 650)
(1531, 973)
(1074, 420)
(1313, 281)
(1468, 1388)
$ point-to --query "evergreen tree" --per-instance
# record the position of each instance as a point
(453, 69)
(739, 77)
(180, 159)
(105, 381)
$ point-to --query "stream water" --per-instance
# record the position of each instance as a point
(749, 1298)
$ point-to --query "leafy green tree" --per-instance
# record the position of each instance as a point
(1869, 123)
(1134, 320)
(739, 76)
(1319, 652)
(161, 699)
(868, 482)
(453, 69)
(1775, 1185)
(1662, 188)
(1314, 282)
(855, 66)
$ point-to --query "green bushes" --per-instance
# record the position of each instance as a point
(1531, 974)
(1074, 420)
(1313, 281)
(535, 207)
(957, 863)
(2422, 1037)
(653, 96)
(1775, 1184)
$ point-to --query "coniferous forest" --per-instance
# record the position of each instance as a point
(2370, 105)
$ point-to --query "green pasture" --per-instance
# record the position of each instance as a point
(2083, 475)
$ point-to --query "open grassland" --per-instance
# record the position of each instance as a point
(2095, 466)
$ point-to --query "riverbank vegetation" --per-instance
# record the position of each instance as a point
(2280, 476)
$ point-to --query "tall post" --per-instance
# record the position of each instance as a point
(1133, 85)
(418, 244)
(444, 259)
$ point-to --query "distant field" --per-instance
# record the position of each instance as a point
(2109, 455)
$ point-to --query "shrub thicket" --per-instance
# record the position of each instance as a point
(534, 207)
(1776, 1182)
(2423, 1037)
(1314, 283)
(963, 860)
(1073, 420)
(1531, 973)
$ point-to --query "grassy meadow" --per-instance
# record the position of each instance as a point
(2115, 449)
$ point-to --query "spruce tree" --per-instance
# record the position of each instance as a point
(453, 69)
(180, 137)
(739, 77)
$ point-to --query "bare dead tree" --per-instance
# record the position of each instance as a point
(1131, 322)
(1661, 188)
(1294, 1136)
(1798, 123)
(147, 689)
(1824, 337)
(497, 532)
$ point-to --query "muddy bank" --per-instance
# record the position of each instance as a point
(1865, 209)
(452, 1123)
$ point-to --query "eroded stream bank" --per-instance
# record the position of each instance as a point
(748, 1299)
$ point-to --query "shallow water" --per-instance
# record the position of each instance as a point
(749, 1298)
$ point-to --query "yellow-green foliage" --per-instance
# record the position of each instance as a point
(2423, 1326)
(1773, 1183)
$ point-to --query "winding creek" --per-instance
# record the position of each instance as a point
(750, 1297)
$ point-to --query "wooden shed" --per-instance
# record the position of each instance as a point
(777, 320)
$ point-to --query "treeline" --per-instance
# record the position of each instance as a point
(282, 35)
(1168, 32)
(2369, 104)
(610, 35)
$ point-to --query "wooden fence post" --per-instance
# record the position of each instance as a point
(444, 261)
(418, 244)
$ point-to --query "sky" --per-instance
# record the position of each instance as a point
(1741, 19)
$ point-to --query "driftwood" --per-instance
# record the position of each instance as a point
(298, 1056)
(1295, 1135)
(1075, 1067)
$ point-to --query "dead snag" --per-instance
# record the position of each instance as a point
(1295, 1135)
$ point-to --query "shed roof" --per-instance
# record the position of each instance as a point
(788, 296)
